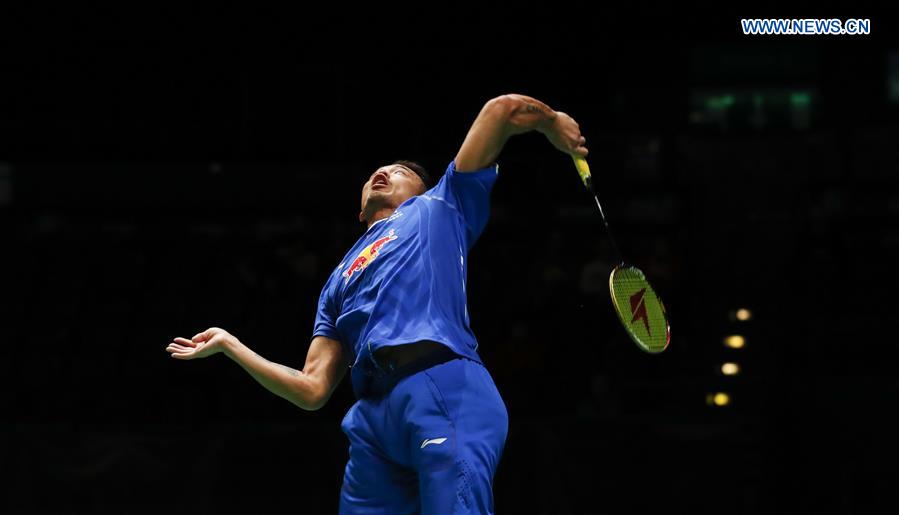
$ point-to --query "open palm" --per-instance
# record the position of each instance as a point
(204, 344)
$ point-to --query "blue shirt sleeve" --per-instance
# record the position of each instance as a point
(469, 194)
(326, 314)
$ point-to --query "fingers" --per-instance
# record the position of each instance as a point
(196, 347)
(580, 147)
(182, 352)
(174, 347)
(181, 348)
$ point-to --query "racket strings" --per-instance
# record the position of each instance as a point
(639, 308)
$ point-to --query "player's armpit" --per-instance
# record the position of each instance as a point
(326, 364)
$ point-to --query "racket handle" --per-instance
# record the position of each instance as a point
(583, 170)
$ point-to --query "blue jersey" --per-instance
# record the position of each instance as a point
(404, 280)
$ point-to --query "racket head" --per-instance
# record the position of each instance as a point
(639, 308)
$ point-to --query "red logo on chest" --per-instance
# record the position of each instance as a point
(367, 255)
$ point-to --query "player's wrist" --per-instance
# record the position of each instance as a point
(547, 123)
(229, 346)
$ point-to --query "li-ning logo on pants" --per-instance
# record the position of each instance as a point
(435, 441)
(367, 255)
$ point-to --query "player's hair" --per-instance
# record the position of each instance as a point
(419, 170)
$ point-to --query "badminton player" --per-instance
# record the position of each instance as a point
(428, 428)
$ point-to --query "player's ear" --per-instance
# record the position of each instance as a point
(361, 217)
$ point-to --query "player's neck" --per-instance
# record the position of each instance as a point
(380, 214)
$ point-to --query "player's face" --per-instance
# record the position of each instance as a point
(388, 187)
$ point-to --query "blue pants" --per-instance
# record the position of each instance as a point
(431, 445)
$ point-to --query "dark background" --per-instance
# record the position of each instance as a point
(164, 170)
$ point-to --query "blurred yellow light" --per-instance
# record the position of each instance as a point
(735, 341)
(717, 399)
(744, 314)
(730, 369)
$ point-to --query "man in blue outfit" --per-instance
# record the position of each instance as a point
(428, 429)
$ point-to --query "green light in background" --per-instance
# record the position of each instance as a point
(719, 103)
(893, 93)
(800, 110)
(800, 98)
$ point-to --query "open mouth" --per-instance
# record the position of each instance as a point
(379, 182)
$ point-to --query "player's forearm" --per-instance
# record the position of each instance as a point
(500, 119)
(285, 382)
(528, 114)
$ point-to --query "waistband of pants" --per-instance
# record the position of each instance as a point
(381, 383)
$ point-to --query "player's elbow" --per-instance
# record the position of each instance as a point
(319, 401)
(310, 396)
(313, 406)
(310, 403)
(500, 107)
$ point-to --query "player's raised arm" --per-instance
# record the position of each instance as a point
(309, 389)
(508, 115)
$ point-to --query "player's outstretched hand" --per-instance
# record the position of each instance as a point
(565, 135)
(209, 342)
